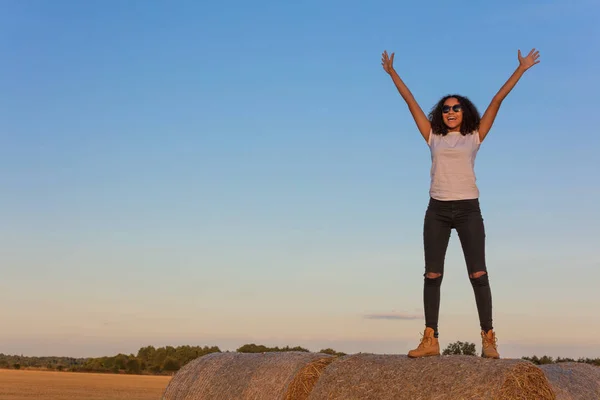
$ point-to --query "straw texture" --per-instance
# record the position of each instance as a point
(252, 376)
(387, 377)
(572, 381)
(305, 380)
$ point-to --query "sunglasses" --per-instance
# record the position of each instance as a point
(455, 108)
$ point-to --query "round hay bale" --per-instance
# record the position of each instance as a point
(571, 380)
(387, 377)
(260, 376)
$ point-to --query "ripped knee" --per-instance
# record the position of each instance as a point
(479, 279)
(478, 274)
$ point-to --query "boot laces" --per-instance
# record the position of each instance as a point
(425, 341)
(487, 341)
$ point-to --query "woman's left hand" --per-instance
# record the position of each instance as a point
(530, 60)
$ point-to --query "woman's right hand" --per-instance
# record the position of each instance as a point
(387, 62)
(419, 116)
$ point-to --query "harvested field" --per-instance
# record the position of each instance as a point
(49, 385)
(260, 376)
(573, 381)
(387, 377)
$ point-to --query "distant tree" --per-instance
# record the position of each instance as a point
(133, 366)
(546, 360)
(146, 353)
(185, 354)
(539, 360)
(460, 348)
(253, 348)
(534, 359)
(121, 361)
(560, 359)
(17, 366)
(332, 352)
(549, 360)
(171, 364)
(159, 356)
(591, 361)
(296, 348)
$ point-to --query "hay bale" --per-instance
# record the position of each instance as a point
(571, 380)
(260, 376)
(383, 377)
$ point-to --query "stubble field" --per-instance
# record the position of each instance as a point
(50, 385)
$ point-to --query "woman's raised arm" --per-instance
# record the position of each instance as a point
(419, 116)
(490, 114)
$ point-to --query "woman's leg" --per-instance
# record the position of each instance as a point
(471, 232)
(436, 235)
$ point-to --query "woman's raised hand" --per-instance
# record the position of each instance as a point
(387, 62)
(530, 60)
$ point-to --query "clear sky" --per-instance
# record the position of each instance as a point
(220, 173)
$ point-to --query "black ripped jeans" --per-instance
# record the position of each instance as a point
(465, 217)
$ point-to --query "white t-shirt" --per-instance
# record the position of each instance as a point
(453, 166)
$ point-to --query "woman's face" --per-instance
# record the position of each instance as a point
(452, 113)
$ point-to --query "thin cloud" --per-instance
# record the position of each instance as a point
(393, 316)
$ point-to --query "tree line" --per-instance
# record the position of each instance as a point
(148, 360)
(168, 360)
(468, 349)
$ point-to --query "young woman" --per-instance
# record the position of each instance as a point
(454, 131)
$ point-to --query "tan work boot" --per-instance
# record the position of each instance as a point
(489, 345)
(429, 346)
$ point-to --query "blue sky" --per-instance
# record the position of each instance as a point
(234, 172)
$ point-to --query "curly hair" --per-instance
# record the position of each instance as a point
(470, 121)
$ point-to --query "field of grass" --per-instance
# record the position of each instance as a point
(50, 385)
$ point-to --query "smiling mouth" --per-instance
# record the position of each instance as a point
(451, 118)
